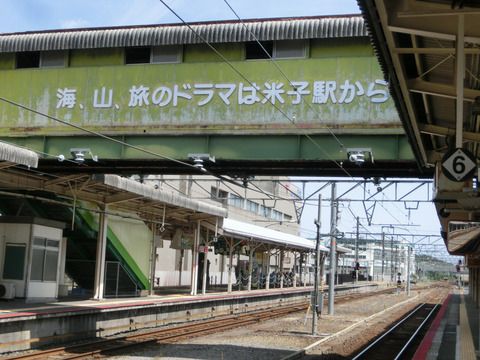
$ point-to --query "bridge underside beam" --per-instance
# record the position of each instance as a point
(243, 168)
(318, 155)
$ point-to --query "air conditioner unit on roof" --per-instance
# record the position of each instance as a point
(7, 291)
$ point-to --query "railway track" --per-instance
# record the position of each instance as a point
(403, 338)
(176, 333)
(106, 346)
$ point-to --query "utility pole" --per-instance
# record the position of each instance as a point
(408, 270)
(333, 246)
(392, 275)
(383, 256)
(315, 300)
(356, 250)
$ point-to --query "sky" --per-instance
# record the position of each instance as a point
(31, 15)
(27, 15)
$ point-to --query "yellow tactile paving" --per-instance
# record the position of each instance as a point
(467, 347)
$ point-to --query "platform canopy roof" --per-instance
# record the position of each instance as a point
(121, 195)
(429, 52)
(269, 236)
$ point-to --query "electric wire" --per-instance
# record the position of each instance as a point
(95, 133)
(239, 73)
(281, 71)
(272, 60)
(235, 70)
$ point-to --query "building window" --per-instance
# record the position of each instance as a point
(252, 206)
(265, 211)
(44, 259)
(166, 54)
(287, 49)
(53, 58)
(218, 195)
(253, 50)
(277, 215)
(14, 261)
(235, 201)
(137, 55)
(28, 59)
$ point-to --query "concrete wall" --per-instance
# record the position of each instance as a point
(136, 237)
(55, 328)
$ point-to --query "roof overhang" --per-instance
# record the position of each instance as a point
(424, 47)
(133, 189)
(116, 194)
(180, 34)
(13, 155)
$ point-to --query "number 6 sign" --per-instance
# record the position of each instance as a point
(458, 165)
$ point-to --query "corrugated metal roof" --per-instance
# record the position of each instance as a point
(173, 34)
(17, 155)
(266, 235)
(167, 197)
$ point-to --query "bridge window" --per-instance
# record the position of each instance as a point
(285, 49)
(137, 55)
(253, 50)
(28, 59)
(53, 58)
(290, 49)
(166, 54)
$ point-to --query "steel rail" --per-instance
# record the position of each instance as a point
(160, 335)
(102, 346)
(432, 311)
(413, 312)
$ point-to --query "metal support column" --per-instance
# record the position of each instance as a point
(356, 250)
(392, 272)
(205, 266)
(230, 266)
(281, 269)
(460, 76)
(250, 267)
(194, 272)
(153, 258)
(294, 271)
(101, 252)
(315, 299)
(383, 256)
(409, 251)
(333, 246)
(267, 278)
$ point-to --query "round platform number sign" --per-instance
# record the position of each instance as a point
(459, 164)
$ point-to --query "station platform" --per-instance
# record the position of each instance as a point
(26, 326)
(454, 333)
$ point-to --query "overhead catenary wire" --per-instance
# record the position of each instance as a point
(94, 133)
(239, 73)
(272, 60)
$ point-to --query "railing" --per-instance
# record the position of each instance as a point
(118, 282)
(462, 225)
